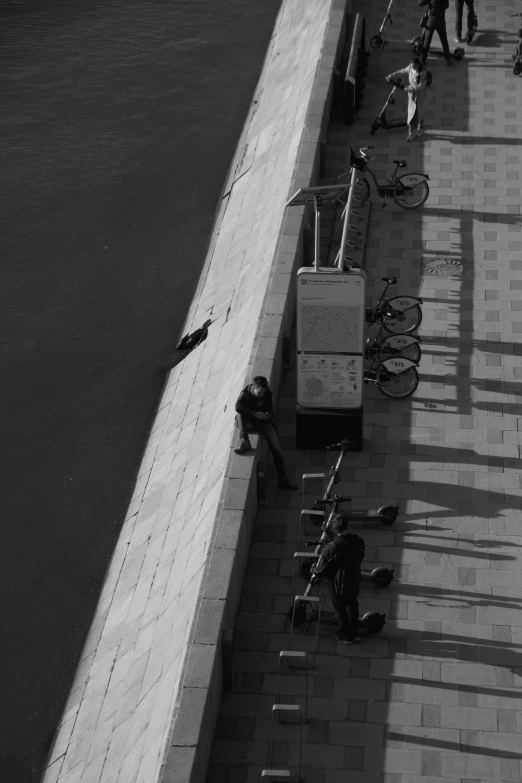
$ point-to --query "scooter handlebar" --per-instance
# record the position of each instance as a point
(343, 444)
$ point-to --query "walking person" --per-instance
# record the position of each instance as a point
(340, 565)
(255, 414)
(418, 95)
(471, 20)
(436, 21)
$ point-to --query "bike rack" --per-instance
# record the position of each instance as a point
(276, 774)
(288, 713)
(298, 556)
(288, 656)
(303, 530)
(312, 477)
(314, 605)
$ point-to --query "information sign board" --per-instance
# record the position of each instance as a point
(330, 338)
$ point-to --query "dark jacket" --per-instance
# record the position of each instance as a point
(437, 11)
(247, 403)
(341, 561)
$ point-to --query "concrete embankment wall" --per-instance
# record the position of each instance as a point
(147, 688)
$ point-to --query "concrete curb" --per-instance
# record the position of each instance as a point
(196, 713)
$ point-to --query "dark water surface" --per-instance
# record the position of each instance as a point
(118, 122)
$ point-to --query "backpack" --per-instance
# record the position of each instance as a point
(355, 546)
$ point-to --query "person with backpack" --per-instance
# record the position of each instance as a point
(340, 565)
(436, 21)
(419, 94)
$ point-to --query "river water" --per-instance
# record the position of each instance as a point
(119, 120)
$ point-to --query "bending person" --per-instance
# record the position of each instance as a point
(255, 414)
(418, 95)
(340, 565)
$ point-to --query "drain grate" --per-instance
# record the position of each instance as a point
(448, 267)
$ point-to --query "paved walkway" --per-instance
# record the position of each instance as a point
(438, 695)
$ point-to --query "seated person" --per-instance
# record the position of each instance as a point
(255, 414)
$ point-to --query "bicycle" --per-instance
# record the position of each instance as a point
(400, 314)
(385, 346)
(517, 54)
(395, 378)
(409, 191)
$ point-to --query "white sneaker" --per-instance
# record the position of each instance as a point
(458, 40)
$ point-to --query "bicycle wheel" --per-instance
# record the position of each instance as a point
(398, 386)
(402, 320)
(414, 194)
(376, 42)
(362, 190)
(412, 352)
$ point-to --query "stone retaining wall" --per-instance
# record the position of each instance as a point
(147, 689)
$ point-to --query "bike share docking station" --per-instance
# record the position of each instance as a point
(331, 303)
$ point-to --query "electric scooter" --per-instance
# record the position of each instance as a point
(380, 39)
(381, 121)
(301, 612)
(418, 43)
(380, 576)
(386, 515)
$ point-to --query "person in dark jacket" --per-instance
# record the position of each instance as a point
(340, 565)
(255, 414)
(436, 21)
(471, 20)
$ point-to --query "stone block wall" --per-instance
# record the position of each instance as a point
(146, 693)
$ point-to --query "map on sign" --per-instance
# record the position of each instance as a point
(328, 328)
(330, 382)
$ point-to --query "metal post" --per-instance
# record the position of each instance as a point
(317, 209)
(339, 261)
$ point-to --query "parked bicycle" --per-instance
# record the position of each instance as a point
(409, 191)
(517, 54)
(400, 314)
(396, 378)
(385, 346)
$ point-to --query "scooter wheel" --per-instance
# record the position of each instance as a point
(297, 615)
(458, 54)
(375, 127)
(517, 68)
(388, 514)
(376, 42)
(373, 622)
(382, 577)
(306, 569)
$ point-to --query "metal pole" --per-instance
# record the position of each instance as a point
(339, 261)
(317, 209)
